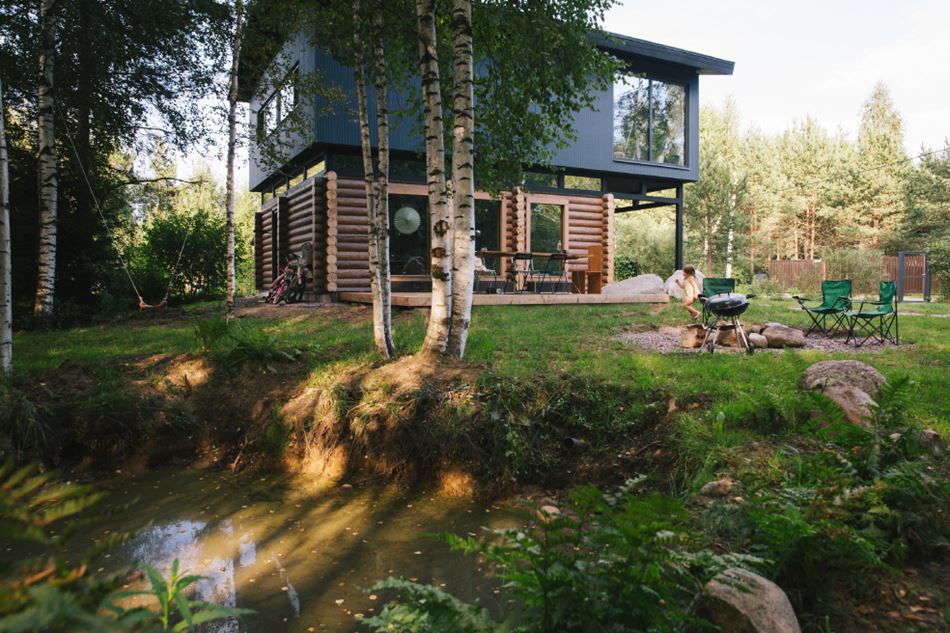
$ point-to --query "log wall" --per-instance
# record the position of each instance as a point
(330, 213)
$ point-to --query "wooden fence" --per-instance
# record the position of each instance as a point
(789, 273)
(806, 274)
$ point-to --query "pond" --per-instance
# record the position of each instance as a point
(298, 554)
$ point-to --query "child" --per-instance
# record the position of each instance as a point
(690, 290)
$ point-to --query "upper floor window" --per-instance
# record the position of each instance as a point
(278, 104)
(649, 120)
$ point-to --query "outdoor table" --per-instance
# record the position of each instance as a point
(540, 255)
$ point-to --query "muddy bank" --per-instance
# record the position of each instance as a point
(458, 425)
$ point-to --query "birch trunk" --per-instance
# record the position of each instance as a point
(48, 178)
(463, 179)
(369, 181)
(440, 261)
(6, 303)
(707, 246)
(730, 234)
(232, 145)
(379, 229)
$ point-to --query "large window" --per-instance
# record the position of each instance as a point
(547, 223)
(649, 120)
(409, 235)
(279, 104)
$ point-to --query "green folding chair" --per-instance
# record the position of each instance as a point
(835, 301)
(714, 286)
(878, 320)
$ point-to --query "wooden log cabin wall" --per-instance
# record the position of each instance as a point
(329, 212)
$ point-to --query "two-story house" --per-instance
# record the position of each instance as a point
(639, 143)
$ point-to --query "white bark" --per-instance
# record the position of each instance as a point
(232, 145)
(463, 179)
(6, 300)
(369, 181)
(380, 228)
(48, 177)
(440, 259)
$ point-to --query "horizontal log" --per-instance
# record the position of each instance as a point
(585, 230)
(591, 224)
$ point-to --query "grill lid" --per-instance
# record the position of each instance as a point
(727, 302)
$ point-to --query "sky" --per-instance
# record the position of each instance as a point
(799, 57)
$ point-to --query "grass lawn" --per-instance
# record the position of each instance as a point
(528, 342)
(831, 510)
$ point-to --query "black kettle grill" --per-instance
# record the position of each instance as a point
(722, 314)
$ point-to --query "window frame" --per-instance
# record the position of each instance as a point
(288, 85)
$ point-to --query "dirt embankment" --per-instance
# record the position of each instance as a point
(415, 418)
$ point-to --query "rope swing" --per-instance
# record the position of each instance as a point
(143, 305)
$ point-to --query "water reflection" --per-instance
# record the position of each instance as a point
(300, 558)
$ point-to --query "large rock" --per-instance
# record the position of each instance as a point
(848, 383)
(675, 291)
(780, 335)
(692, 336)
(758, 341)
(639, 285)
(739, 601)
(728, 338)
(853, 373)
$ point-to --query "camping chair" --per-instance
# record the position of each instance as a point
(555, 270)
(878, 322)
(714, 286)
(835, 301)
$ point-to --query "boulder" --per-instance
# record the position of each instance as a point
(848, 383)
(739, 601)
(780, 335)
(692, 336)
(718, 488)
(854, 373)
(639, 285)
(675, 291)
(758, 341)
(932, 440)
(728, 338)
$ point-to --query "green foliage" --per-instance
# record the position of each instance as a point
(625, 267)
(176, 612)
(644, 238)
(863, 266)
(427, 609)
(21, 420)
(42, 591)
(608, 562)
(235, 344)
(201, 270)
(829, 518)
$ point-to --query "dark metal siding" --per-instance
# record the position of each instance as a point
(335, 123)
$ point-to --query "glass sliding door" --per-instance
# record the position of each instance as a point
(547, 230)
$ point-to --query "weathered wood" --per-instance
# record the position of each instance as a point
(331, 256)
(608, 240)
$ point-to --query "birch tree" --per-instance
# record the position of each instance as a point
(379, 229)
(437, 331)
(236, 42)
(463, 177)
(6, 298)
(47, 172)
(375, 181)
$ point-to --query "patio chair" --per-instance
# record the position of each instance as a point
(555, 271)
(878, 321)
(835, 301)
(485, 278)
(714, 286)
(520, 272)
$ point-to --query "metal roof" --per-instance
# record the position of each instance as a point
(626, 46)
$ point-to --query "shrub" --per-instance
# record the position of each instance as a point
(609, 562)
(625, 268)
(863, 266)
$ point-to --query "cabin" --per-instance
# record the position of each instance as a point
(639, 144)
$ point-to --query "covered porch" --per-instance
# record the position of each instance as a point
(423, 299)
